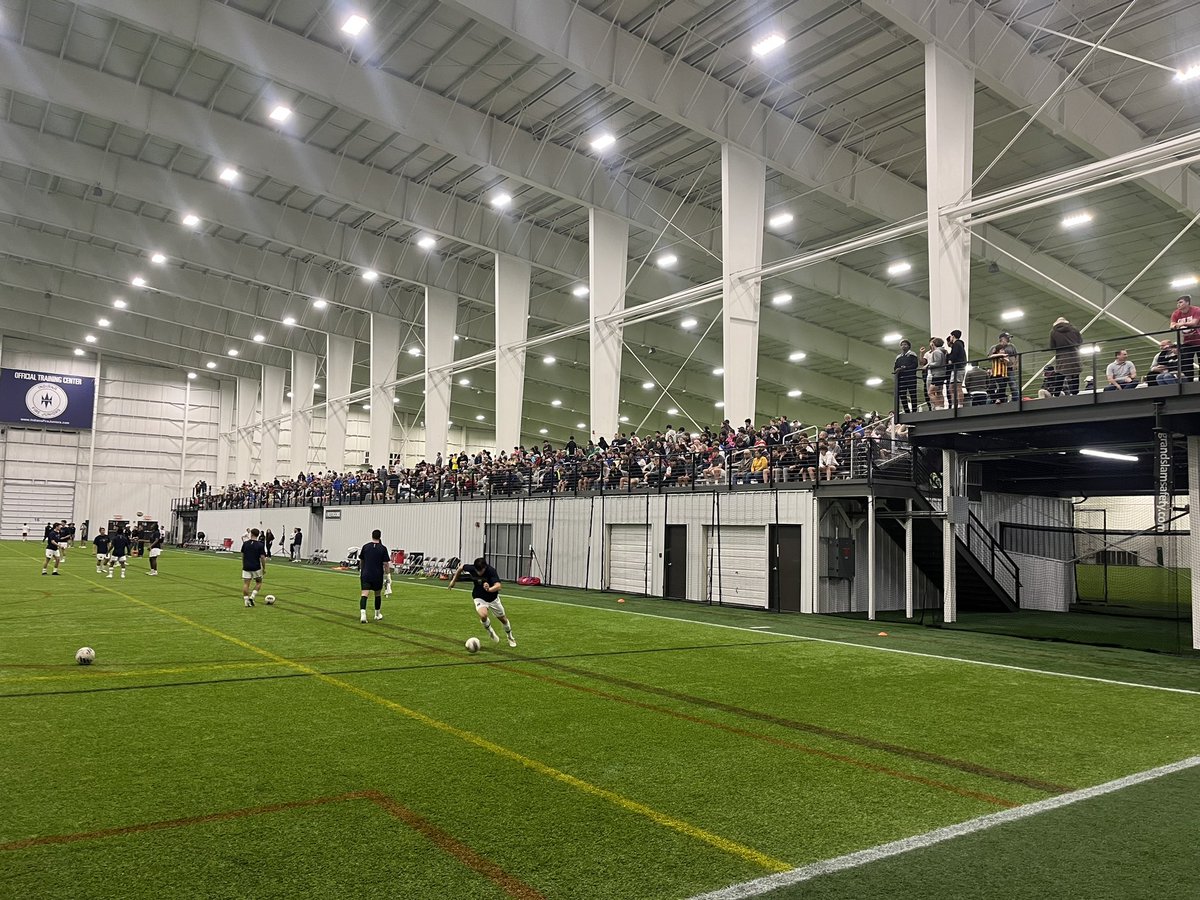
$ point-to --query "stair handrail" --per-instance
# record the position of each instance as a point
(996, 551)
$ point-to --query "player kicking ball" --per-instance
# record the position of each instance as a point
(374, 563)
(486, 594)
(254, 566)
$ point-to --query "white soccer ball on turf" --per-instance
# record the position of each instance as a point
(269, 599)
(85, 656)
(473, 645)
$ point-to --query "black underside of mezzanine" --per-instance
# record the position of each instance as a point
(1034, 447)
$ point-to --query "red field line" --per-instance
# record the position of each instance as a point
(509, 883)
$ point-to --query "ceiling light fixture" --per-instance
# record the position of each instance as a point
(137, 281)
(354, 25)
(369, 274)
(648, 385)
(770, 43)
(543, 431)
(603, 141)
(367, 407)
(581, 425)
(414, 351)
(1105, 454)
(191, 220)
(892, 337)
(1011, 315)
(259, 338)
(720, 404)
(1188, 74)
(158, 259)
(78, 351)
(581, 291)
(289, 395)
(718, 371)
(90, 338)
(395, 399)
(672, 411)
(502, 201)
(103, 323)
(1185, 281)
(781, 299)
(623, 419)
(316, 385)
(428, 242)
(781, 219)
(899, 268)
(231, 352)
(795, 393)
(549, 360)
(688, 323)
(280, 113)
(1076, 219)
(320, 303)
(119, 303)
(191, 376)
(874, 381)
(479, 418)
(289, 320)
(464, 381)
(666, 260)
(797, 355)
(229, 175)
(556, 403)
(210, 365)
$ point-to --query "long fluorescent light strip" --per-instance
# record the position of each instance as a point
(1104, 454)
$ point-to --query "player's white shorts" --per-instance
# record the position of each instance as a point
(52, 554)
(257, 573)
(157, 551)
(66, 545)
(493, 605)
(117, 559)
(101, 557)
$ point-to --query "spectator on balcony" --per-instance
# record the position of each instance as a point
(1121, 373)
(976, 383)
(905, 371)
(1065, 341)
(1165, 368)
(1052, 382)
(956, 348)
(1001, 360)
(937, 366)
(1186, 321)
(828, 461)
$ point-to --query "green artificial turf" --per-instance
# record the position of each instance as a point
(1145, 590)
(647, 749)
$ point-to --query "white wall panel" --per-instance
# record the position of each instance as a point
(629, 559)
(738, 564)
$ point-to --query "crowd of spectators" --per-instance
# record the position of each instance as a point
(781, 451)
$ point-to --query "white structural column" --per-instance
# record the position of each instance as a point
(247, 424)
(339, 361)
(441, 318)
(608, 258)
(226, 399)
(272, 413)
(385, 346)
(512, 327)
(304, 376)
(949, 124)
(1193, 461)
(743, 187)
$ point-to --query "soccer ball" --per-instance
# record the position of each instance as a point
(140, 514)
(85, 656)
(472, 645)
(269, 599)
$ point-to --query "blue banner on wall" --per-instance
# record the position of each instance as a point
(45, 398)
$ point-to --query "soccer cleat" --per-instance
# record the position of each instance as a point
(378, 615)
(495, 637)
(362, 617)
(55, 572)
(44, 572)
(512, 641)
(109, 575)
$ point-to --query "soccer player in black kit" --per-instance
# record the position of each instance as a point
(101, 541)
(486, 594)
(119, 551)
(52, 551)
(374, 562)
(254, 565)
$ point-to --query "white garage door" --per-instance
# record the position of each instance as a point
(627, 566)
(34, 503)
(737, 565)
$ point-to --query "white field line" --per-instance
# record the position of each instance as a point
(873, 854)
(624, 611)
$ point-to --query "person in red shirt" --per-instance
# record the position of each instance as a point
(1186, 320)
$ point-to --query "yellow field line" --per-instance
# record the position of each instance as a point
(178, 670)
(732, 847)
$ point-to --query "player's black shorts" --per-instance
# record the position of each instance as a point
(371, 584)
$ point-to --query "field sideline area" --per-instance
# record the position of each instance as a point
(636, 750)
